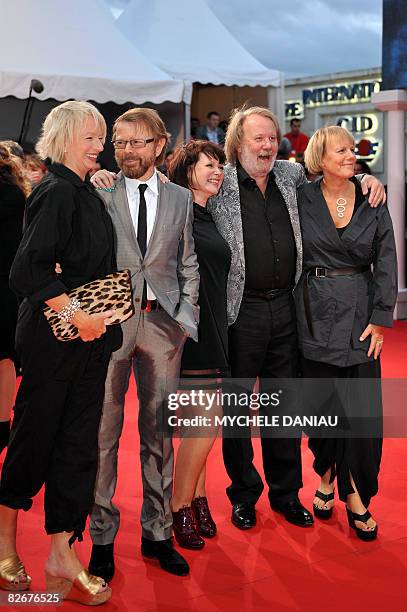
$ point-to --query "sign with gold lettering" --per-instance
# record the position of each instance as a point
(367, 130)
(345, 93)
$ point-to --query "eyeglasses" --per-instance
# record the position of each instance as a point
(137, 143)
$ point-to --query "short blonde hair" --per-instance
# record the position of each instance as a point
(60, 126)
(316, 148)
(150, 119)
(234, 134)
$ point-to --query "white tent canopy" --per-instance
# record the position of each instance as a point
(188, 41)
(74, 48)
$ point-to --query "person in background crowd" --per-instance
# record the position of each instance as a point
(14, 188)
(14, 148)
(284, 149)
(224, 125)
(35, 168)
(54, 437)
(362, 167)
(298, 139)
(256, 212)
(198, 166)
(345, 299)
(195, 125)
(153, 224)
(211, 131)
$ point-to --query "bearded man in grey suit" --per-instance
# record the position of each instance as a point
(153, 227)
(256, 212)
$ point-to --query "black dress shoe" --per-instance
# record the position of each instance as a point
(102, 561)
(170, 560)
(294, 512)
(244, 516)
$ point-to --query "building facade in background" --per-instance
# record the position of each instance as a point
(342, 98)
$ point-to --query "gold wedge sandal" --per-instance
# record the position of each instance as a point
(11, 573)
(85, 589)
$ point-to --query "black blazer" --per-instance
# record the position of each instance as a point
(66, 222)
(343, 306)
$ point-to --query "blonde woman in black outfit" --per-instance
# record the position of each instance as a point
(199, 167)
(345, 300)
(54, 437)
(14, 188)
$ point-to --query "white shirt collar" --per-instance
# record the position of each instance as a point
(152, 183)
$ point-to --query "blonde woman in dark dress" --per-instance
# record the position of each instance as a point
(54, 437)
(199, 167)
(345, 300)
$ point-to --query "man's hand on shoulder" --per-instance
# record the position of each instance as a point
(377, 192)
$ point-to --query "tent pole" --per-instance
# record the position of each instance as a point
(187, 122)
(275, 100)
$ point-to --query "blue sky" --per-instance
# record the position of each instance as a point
(302, 37)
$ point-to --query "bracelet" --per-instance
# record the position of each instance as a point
(68, 312)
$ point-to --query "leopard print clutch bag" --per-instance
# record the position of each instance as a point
(113, 292)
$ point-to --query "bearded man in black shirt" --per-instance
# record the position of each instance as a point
(256, 212)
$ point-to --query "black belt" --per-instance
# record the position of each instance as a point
(319, 272)
(266, 295)
(151, 305)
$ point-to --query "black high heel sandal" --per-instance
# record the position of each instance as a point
(366, 536)
(323, 513)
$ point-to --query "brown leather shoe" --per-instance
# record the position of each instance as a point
(206, 526)
(185, 529)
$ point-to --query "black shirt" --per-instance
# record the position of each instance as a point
(214, 257)
(270, 251)
(66, 222)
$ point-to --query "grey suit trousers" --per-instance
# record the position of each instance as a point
(152, 349)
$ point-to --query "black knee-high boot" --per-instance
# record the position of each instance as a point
(4, 434)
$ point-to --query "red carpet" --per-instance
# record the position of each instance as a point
(275, 566)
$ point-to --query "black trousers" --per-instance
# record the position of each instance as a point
(359, 456)
(54, 438)
(263, 343)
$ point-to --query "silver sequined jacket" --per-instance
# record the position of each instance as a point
(225, 210)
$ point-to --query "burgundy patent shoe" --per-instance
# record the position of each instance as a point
(185, 531)
(206, 526)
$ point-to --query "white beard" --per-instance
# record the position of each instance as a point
(252, 165)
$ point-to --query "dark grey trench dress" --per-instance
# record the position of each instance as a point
(329, 327)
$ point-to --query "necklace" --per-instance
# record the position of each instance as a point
(341, 207)
(341, 204)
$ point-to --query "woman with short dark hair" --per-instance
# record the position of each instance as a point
(198, 166)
